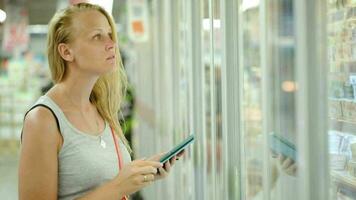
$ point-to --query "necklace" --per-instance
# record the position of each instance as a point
(101, 140)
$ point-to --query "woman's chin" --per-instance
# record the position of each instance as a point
(109, 69)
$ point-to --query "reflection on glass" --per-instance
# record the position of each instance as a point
(211, 55)
(280, 180)
(251, 102)
(342, 93)
(282, 101)
(217, 98)
(207, 92)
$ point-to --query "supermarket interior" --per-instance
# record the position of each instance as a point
(267, 89)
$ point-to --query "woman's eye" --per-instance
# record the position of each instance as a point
(97, 36)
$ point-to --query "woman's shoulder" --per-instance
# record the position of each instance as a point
(40, 116)
(40, 126)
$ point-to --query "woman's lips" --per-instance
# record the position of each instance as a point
(110, 57)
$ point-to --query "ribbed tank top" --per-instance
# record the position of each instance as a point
(83, 162)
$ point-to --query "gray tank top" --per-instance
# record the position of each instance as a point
(84, 161)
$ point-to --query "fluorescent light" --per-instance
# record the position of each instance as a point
(106, 4)
(206, 23)
(249, 4)
(37, 29)
(2, 16)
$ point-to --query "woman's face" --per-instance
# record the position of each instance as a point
(92, 46)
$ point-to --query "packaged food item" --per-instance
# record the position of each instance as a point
(335, 109)
(350, 13)
(335, 141)
(348, 91)
(348, 110)
(336, 89)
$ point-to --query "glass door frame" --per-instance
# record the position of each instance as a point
(231, 99)
(312, 111)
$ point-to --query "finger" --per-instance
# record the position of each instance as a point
(180, 154)
(295, 170)
(167, 166)
(162, 172)
(151, 177)
(172, 160)
(288, 162)
(146, 170)
(142, 163)
(281, 158)
(274, 154)
(140, 181)
(148, 178)
(157, 157)
(291, 170)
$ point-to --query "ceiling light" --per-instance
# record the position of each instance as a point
(249, 4)
(2, 16)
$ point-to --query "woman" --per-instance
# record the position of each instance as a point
(69, 149)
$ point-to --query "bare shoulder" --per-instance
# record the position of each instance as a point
(40, 125)
(39, 153)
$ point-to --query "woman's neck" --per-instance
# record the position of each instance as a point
(77, 90)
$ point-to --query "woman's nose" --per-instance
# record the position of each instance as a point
(110, 45)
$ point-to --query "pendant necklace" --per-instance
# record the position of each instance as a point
(102, 142)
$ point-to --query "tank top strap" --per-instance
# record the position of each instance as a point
(41, 102)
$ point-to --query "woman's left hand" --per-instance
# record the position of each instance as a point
(164, 171)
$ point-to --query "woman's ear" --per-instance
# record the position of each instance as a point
(65, 52)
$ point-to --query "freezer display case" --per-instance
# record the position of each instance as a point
(341, 40)
(267, 84)
(247, 77)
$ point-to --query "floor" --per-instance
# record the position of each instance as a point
(8, 177)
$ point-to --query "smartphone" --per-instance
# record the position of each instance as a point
(177, 149)
(280, 145)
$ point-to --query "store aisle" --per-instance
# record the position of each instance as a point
(8, 177)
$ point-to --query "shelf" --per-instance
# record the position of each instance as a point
(347, 184)
(342, 116)
(343, 126)
(344, 178)
(342, 99)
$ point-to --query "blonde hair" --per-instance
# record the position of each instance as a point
(109, 90)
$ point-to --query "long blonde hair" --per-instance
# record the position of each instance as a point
(109, 90)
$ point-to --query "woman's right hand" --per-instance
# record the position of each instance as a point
(287, 165)
(135, 176)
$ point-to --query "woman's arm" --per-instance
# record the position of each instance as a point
(38, 167)
(132, 177)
